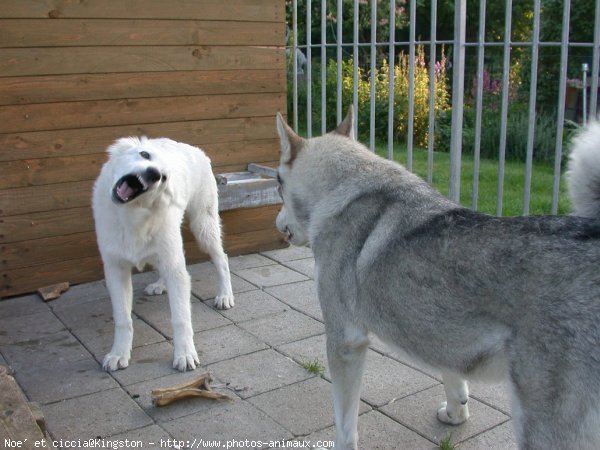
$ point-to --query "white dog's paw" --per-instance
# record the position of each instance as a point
(156, 288)
(459, 415)
(184, 361)
(114, 362)
(224, 301)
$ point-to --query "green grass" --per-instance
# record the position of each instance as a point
(315, 367)
(446, 443)
(514, 182)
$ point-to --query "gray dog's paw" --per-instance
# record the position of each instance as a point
(456, 417)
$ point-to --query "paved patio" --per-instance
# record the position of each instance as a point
(255, 352)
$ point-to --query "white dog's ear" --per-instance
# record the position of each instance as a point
(291, 143)
(346, 127)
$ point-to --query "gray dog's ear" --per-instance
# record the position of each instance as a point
(346, 127)
(291, 143)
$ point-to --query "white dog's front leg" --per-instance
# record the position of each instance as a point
(454, 410)
(118, 282)
(179, 290)
(346, 352)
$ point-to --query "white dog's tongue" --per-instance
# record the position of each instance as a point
(124, 191)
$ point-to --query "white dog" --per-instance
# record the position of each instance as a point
(139, 202)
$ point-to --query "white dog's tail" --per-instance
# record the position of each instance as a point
(583, 174)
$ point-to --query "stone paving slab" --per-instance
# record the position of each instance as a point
(76, 295)
(253, 305)
(29, 327)
(419, 412)
(226, 421)
(101, 415)
(146, 363)
(22, 306)
(267, 276)
(224, 343)
(204, 281)
(494, 394)
(501, 437)
(282, 328)
(76, 315)
(55, 348)
(249, 261)
(91, 323)
(288, 254)
(381, 347)
(378, 432)
(311, 349)
(302, 408)
(259, 372)
(151, 437)
(301, 296)
(304, 266)
(47, 384)
(385, 380)
(98, 337)
(155, 311)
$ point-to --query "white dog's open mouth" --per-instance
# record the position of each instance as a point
(133, 185)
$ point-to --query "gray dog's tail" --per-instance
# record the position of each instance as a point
(583, 174)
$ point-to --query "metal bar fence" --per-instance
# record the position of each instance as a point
(324, 66)
(458, 84)
(478, 103)
(504, 109)
(294, 58)
(564, 55)
(459, 45)
(411, 85)
(391, 77)
(372, 93)
(339, 60)
(532, 102)
(308, 69)
(432, 87)
(595, 60)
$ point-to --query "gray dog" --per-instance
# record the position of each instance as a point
(469, 294)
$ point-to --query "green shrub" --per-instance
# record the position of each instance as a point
(401, 70)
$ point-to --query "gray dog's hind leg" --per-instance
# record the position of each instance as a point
(346, 353)
(454, 410)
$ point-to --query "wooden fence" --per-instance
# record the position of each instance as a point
(74, 76)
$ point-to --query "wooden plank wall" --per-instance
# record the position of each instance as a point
(74, 76)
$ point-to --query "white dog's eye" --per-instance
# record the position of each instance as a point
(145, 155)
